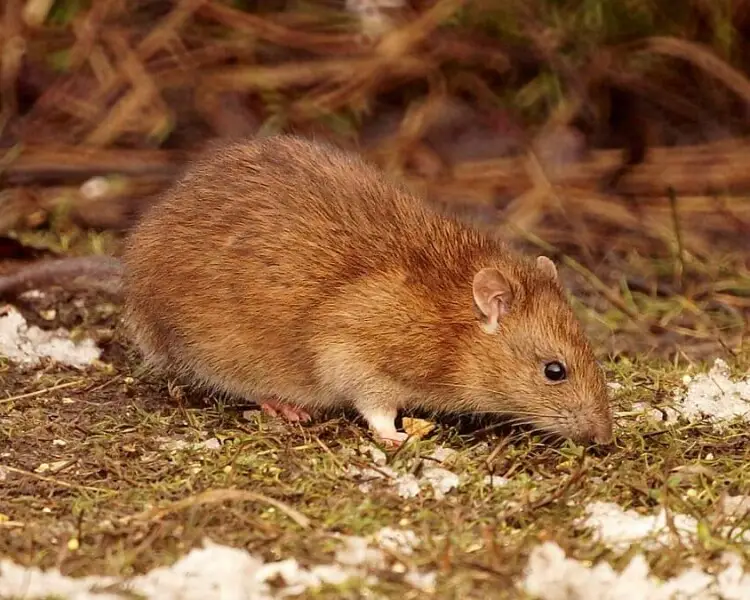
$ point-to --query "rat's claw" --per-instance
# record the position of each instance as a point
(394, 439)
(294, 414)
(268, 409)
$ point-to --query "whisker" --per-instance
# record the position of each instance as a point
(473, 388)
(513, 417)
(516, 421)
(548, 436)
(514, 414)
(521, 421)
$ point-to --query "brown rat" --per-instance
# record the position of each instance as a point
(298, 275)
(287, 270)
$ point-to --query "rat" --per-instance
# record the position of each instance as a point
(298, 275)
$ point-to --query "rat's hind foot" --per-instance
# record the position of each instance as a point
(276, 408)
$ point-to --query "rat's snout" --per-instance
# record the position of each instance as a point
(603, 434)
(583, 430)
(597, 431)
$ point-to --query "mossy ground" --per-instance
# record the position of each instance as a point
(113, 499)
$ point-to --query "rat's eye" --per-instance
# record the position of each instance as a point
(555, 371)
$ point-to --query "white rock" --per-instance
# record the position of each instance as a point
(407, 486)
(442, 454)
(716, 397)
(441, 480)
(424, 582)
(619, 529)
(402, 541)
(28, 345)
(496, 480)
(550, 575)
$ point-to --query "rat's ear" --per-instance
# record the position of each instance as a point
(492, 295)
(546, 266)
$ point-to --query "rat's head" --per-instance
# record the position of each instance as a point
(531, 356)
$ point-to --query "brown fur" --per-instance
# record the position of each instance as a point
(283, 267)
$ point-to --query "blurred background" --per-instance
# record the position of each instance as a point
(610, 135)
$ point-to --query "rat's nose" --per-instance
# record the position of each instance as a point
(601, 433)
(594, 430)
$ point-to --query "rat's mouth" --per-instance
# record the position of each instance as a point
(599, 433)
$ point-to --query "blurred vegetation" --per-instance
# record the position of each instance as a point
(607, 133)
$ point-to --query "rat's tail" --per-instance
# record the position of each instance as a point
(99, 273)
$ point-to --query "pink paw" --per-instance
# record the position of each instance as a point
(276, 408)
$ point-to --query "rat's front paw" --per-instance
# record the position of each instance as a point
(382, 422)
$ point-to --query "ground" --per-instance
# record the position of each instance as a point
(105, 471)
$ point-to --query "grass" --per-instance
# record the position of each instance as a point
(117, 498)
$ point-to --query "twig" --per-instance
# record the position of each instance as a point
(703, 58)
(54, 388)
(561, 490)
(59, 482)
(107, 383)
(218, 496)
(329, 452)
(499, 448)
(34, 163)
(265, 29)
(680, 265)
